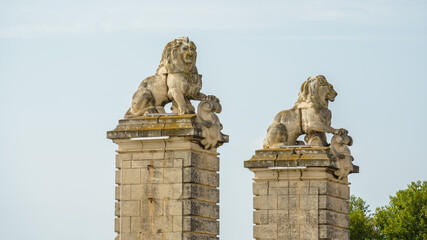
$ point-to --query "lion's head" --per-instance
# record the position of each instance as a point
(179, 55)
(315, 92)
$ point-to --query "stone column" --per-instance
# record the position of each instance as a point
(167, 182)
(297, 195)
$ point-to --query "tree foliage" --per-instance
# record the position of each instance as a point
(361, 223)
(405, 216)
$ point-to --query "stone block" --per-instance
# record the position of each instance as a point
(333, 189)
(278, 191)
(333, 218)
(174, 145)
(333, 233)
(260, 188)
(140, 224)
(277, 184)
(172, 236)
(150, 175)
(265, 202)
(117, 209)
(138, 192)
(199, 192)
(309, 231)
(261, 174)
(124, 156)
(193, 175)
(201, 209)
(130, 208)
(174, 208)
(172, 175)
(334, 204)
(181, 154)
(309, 217)
(118, 176)
(178, 162)
(313, 191)
(129, 236)
(267, 231)
(256, 231)
(293, 201)
(177, 223)
(141, 163)
(177, 190)
(123, 164)
(131, 176)
(122, 224)
(211, 162)
(143, 155)
(309, 202)
(197, 236)
(117, 225)
(289, 174)
(163, 223)
(201, 225)
(153, 144)
(122, 192)
(261, 217)
(128, 146)
(284, 224)
(206, 161)
(283, 202)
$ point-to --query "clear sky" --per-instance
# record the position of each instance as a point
(68, 70)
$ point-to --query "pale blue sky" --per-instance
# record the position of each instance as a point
(68, 70)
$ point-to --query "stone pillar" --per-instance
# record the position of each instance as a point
(297, 195)
(167, 183)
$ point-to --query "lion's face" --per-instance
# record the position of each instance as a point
(326, 90)
(187, 52)
(180, 56)
(316, 91)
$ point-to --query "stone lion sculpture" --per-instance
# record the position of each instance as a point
(310, 115)
(176, 80)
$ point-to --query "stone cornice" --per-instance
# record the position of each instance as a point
(156, 126)
(294, 157)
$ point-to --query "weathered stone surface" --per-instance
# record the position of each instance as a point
(196, 236)
(334, 233)
(309, 116)
(173, 126)
(167, 188)
(199, 192)
(194, 175)
(201, 225)
(303, 201)
(312, 117)
(176, 80)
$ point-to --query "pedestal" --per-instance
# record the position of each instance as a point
(297, 196)
(167, 183)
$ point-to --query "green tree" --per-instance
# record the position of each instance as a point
(405, 216)
(361, 222)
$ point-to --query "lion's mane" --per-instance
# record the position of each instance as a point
(169, 57)
(310, 94)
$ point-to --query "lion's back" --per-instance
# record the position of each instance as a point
(287, 116)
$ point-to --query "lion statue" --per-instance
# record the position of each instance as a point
(176, 80)
(310, 115)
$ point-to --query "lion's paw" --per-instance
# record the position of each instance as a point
(340, 131)
(211, 98)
